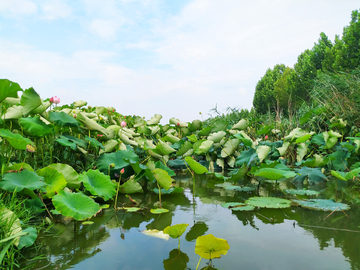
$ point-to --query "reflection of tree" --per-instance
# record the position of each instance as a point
(177, 260)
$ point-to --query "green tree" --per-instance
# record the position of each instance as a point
(285, 89)
(264, 91)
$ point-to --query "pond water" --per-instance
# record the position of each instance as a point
(292, 238)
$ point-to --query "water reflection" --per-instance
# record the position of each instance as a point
(290, 238)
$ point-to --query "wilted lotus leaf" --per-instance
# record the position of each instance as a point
(210, 247)
(156, 233)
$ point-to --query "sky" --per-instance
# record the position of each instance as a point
(147, 57)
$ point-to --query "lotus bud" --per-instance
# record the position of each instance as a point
(266, 137)
(123, 124)
(55, 100)
(122, 171)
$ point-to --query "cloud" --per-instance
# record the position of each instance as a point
(55, 9)
(16, 8)
(106, 28)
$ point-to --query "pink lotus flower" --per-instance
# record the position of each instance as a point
(178, 124)
(122, 171)
(123, 124)
(266, 137)
(55, 100)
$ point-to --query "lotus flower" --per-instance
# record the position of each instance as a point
(55, 100)
(123, 124)
(122, 171)
(266, 137)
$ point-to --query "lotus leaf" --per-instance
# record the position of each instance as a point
(237, 174)
(176, 231)
(76, 205)
(219, 125)
(158, 211)
(339, 175)
(217, 136)
(130, 187)
(203, 147)
(262, 151)
(16, 140)
(169, 191)
(313, 174)
(171, 138)
(301, 151)
(229, 148)
(131, 209)
(98, 184)
(154, 120)
(177, 164)
(163, 148)
(30, 100)
(69, 173)
(177, 122)
(210, 247)
(268, 202)
(163, 178)
(242, 124)
(274, 174)
(238, 206)
(304, 138)
(14, 112)
(339, 159)
(55, 181)
(17, 181)
(29, 239)
(8, 89)
(294, 134)
(35, 126)
(63, 119)
(245, 141)
(192, 138)
(205, 131)
(195, 166)
(282, 150)
(11, 223)
(246, 157)
(198, 229)
(301, 192)
(322, 205)
(156, 233)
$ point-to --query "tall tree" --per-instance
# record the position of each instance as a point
(285, 89)
(306, 73)
(264, 91)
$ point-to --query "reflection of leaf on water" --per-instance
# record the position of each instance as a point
(160, 222)
(177, 260)
(198, 229)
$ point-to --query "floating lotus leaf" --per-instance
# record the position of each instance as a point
(238, 188)
(274, 174)
(176, 231)
(236, 206)
(301, 192)
(210, 247)
(156, 233)
(268, 202)
(195, 166)
(16, 140)
(159, 211)
(30, 100)
(29, 239)
(76, 205)
(55, 181)
(98, 184)
(20, 180)
(163, 178)
(131, 209)
(63, 119)
(8, 89)
(35, 126)
(322, 205)
(69, 173)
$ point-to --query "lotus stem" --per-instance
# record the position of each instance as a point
(179, 243)
(159, 193)
(198, 263)
(117, 192)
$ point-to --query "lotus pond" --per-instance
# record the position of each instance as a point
(264, 238)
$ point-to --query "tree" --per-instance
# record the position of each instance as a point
(285, 89)
(264, 91)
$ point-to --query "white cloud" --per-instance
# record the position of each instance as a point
(15, 8)
(106, 28)
(55, 9)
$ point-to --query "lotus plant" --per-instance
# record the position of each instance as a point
(122, 171)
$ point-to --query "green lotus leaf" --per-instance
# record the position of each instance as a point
(161, 165)
(246, 157)
(229, 148)
(242, 124)
(237, 174)
(75, 205)
(29, 239)
(232, 204)
(282, 150)
(69, 173)
(268, 202)
(262, 151)
(301, 192)
(8, 89)
(30, 100)
(176, 231)
(108, 146)
(41, 108)
(352, 174)
(210, 247)
(63, 119)
(219, 125)
(35, 126)
(171, 138)
(92, 125)
(195, 125)
(163, 148)
(11, 101)
(322, 205)
(177, 122)
(131, 209)
(14, 112)
(163, 178)
(130, 187)
(301, 152)
(94, 143)
(55, 181)
(18, 167)
(217, 136)
(304, 138)
(11, 224)
(186, 146)
(238, 206)
(274, 174)
(313, 174)
(176, 164)
(79, 103)
(245, 141)
(205, 131)
(98, 184)
(16, 140)
(195, 166)
(316, 161)
(71, 141)
(204, 147)
(159, 211)
(154, 120)
(17, 181)
(192, 138)
(294, 134)
(339, 159)
(339, 175)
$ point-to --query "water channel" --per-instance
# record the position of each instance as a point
(281, 239)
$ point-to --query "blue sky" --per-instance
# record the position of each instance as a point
(174, 58)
